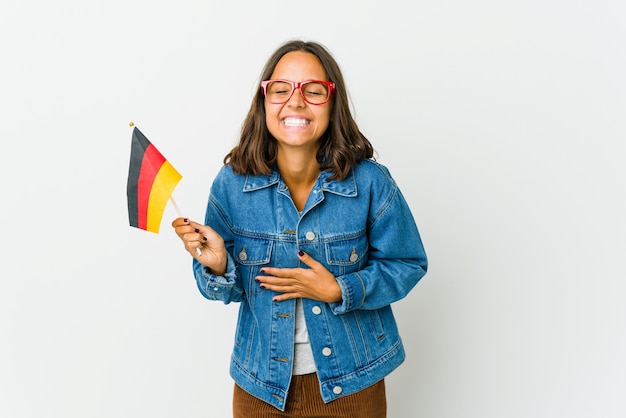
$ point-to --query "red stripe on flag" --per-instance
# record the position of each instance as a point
(150, 165)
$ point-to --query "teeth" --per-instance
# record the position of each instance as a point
(295, 122)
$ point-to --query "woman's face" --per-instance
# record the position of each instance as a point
(296, 122)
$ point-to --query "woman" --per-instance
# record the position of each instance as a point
(315, 240)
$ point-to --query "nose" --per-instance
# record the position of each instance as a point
(296, 99)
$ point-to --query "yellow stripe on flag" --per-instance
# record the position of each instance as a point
(164, 183)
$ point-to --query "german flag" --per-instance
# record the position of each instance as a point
(151, 181)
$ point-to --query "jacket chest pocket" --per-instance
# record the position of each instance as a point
(347, 255)
(251, 254)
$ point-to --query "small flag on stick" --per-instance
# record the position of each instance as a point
(151, 181)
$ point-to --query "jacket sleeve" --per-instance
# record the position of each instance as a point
(396, 262)
(227, 288)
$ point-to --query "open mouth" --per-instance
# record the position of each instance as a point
(296, 122)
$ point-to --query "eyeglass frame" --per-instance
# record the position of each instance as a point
(298, 85)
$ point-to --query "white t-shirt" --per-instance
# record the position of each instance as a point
(303, 362)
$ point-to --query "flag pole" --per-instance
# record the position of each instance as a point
(180, 215)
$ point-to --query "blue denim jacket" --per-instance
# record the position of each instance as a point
(363, 232)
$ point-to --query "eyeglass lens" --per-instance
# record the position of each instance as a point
(312, 92)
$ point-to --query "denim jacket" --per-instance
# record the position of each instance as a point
(361, 230)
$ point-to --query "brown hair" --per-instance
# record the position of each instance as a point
(342, 146)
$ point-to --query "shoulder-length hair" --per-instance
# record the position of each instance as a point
(342, 146)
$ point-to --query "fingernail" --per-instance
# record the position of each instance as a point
(262, 270)
(262, 286)
(301, 253)
(196, 230)
(204, 238)
(185, 220)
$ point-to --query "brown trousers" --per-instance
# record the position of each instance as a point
(305, 401)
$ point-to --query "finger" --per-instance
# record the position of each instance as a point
(202, 227)
(286, 290)
(308, 260)
(194, 248)
(278, 272)
(275, 283)
(198, 225)
(285, 296)
(192, 238)
(202, 240)
(181, 221)
(182, 227)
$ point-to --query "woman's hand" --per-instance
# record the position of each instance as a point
(203, 243)
(315, 283)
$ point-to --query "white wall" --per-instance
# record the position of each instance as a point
(503, 122)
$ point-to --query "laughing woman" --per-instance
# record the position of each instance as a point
(315, 241)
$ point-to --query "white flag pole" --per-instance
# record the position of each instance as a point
(180, 215)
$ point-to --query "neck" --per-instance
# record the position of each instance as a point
(298, 166)
(300, 171)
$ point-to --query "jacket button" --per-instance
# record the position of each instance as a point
(243, 255)
(327, 351)
(310, 236)
(337, 390)
(354, 256)
(316, 310)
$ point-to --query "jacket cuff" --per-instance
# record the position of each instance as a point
(227, 279)
(352, 292)
(210, 284)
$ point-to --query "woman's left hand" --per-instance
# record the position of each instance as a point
(315, 283)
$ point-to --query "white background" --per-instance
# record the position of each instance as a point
(502, 121)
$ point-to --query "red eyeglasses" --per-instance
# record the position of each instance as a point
(315, 92)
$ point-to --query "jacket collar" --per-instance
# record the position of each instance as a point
(346, 187)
